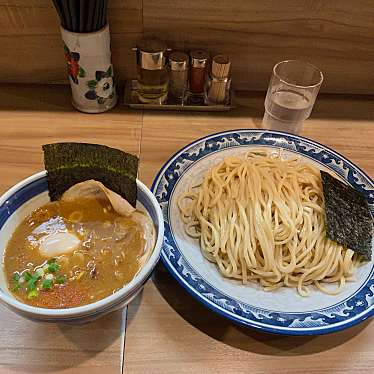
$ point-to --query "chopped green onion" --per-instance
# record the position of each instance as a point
(31, 284)
(60, 279)
(16, 287)
(16, 276)
(47, 284)
(32, 294)
(53, 267)
(27, 276)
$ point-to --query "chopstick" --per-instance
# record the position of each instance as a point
(105, 12)
(82, 15)
(97, 18)
(102, 22)
(90, 15)
(67, 15)
(72, 4)
(60, 13)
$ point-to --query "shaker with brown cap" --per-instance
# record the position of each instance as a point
(199, 65)
(178, 62)
(153, 77)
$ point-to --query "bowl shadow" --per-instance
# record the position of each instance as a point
(57, 347)
(241, 337)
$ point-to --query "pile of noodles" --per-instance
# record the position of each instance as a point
(261, 218)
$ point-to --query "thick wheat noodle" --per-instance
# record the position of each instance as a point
(261, 218)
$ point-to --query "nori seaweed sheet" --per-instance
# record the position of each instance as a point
(71, 163)
(348, 218)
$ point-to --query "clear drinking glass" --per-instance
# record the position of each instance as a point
(291, 94)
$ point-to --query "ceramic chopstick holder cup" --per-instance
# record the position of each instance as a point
(90, 70)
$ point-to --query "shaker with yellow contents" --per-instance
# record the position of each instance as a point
(153, 79)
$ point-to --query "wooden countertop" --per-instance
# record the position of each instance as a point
(167, 331)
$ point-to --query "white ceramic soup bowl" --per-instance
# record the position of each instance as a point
(32, 193)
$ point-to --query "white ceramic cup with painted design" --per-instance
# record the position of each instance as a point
(90, 70)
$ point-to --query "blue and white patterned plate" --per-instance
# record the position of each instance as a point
(282, 311)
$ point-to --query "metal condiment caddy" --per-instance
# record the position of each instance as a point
(176, 80)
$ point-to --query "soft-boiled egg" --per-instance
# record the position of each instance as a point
(58, 243)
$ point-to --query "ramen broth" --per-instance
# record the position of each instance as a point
(104, 253)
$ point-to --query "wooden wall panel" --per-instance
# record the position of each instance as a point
(337, 36)
(31, 45)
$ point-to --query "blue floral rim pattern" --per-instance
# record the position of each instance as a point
(349, 312)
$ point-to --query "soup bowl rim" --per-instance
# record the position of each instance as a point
(105, 303)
